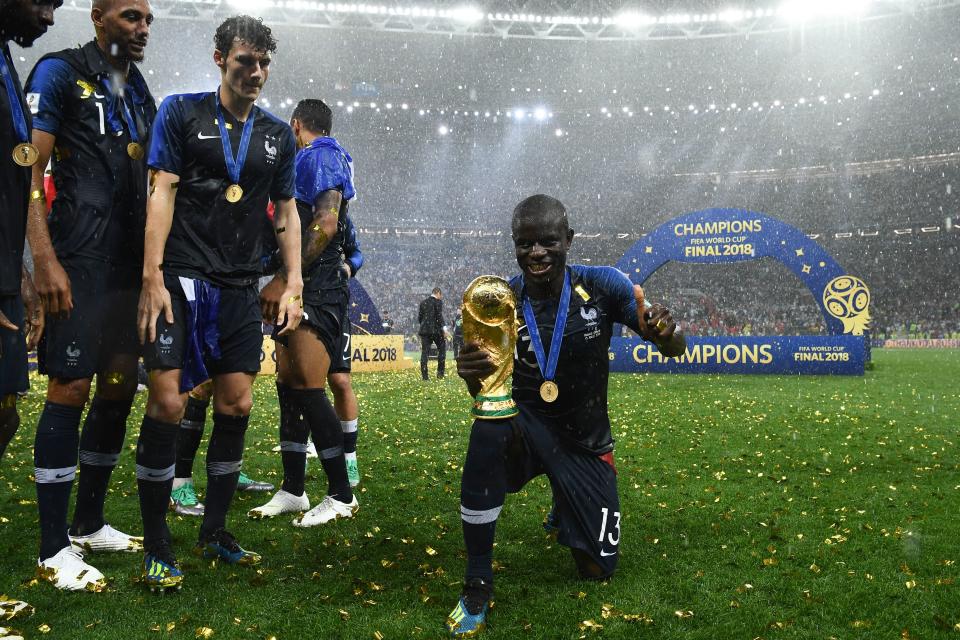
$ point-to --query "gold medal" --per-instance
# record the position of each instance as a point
(549, 391)
(234, 193)
(25, 154)
(135, 150)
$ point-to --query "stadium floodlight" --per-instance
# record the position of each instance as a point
(540, 114)
(465, 14)
(632, 19)
(518, 114)
(443, 130)
(558, 133)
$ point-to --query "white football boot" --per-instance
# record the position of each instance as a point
(69, 572)
(281, 502)
(107, 539)
(327, 511)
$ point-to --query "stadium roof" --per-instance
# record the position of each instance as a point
(595, 20)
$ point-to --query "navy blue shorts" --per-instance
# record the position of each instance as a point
(239, 323)
(102, 324)
(342, 357)
(587, 506)
(324, 319)
(13, 349)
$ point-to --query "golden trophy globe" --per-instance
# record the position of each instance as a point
(490, 320)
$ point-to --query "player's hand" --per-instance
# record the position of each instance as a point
(154, 300)
(35, 318)
(291, 308)
(473, 364)
(659, 325)
(270, 298)
(53, 285)
(6, 324)
(347, 270)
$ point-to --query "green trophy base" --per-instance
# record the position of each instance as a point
(493, 407)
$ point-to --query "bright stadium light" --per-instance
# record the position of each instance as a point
(518, 114)
(540, 114)
(443, 130)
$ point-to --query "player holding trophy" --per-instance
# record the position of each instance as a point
(561, 427)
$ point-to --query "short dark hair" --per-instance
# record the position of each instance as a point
(246, 28)
(436, 290)
(315, 115)
(540, 205)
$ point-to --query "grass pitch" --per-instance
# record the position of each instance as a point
(753, 507)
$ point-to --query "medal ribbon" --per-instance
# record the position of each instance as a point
(235, 165)
(14, 98)
(559, 325)
(127, 114)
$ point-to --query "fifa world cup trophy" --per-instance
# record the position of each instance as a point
(490, 319)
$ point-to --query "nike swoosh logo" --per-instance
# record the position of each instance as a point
(160, 475)
(62, 475)
(604, 554)
(200, 136)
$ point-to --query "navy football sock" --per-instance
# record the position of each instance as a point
(100, 443)
(483, 489)
(328, 438)
(189, 435)
(156, 458)
(55, 466)
(293, 442)
(224, 459)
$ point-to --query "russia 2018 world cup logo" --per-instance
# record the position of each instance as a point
(847, 299)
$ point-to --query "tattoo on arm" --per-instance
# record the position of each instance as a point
(315, 238)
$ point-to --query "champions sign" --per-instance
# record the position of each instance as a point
(736, 235)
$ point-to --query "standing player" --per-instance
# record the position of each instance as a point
(92, 106)
(183, 495)
(22, 21)
(324, 187)
(344, 399)
(216, 160)
(563, 429)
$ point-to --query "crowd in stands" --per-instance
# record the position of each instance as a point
(912, 291)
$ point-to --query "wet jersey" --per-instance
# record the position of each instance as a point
(210, 238)
(321, 166)
(14, 190)
(100, 207)
(601, 296)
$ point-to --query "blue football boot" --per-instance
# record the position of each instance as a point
(221, 545)
(160, 568)
(469, 617)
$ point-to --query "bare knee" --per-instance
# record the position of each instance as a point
(233, 402)
(70, 392)
(339, 384)
(164, 400)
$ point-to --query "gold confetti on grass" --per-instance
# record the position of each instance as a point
(204, 632)
(44, 628)
(683, 614)
(592, 625)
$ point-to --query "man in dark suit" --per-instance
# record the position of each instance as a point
(430, 318)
